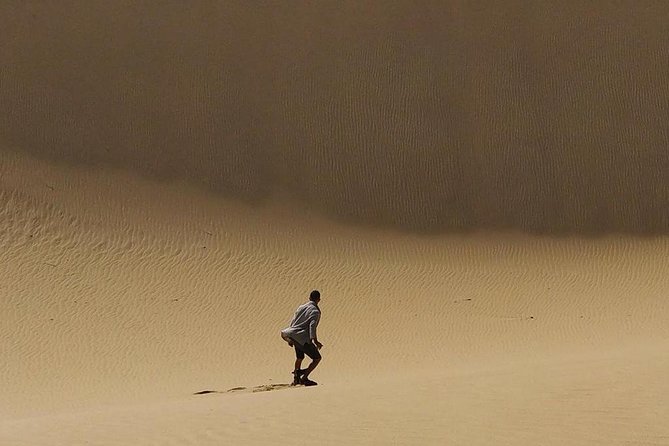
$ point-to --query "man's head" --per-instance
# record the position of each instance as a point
(315, 296)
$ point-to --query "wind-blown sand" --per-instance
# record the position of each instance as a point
(481, 195)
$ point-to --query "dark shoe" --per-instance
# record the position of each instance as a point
(297, 375)
(307, 382)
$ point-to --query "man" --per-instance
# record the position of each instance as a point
(302, 335)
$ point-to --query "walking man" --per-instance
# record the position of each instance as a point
(302, 335)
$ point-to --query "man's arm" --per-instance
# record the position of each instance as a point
(313, 325)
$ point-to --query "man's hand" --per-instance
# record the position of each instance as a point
(318, 344)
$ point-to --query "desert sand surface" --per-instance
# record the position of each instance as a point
(479, 191)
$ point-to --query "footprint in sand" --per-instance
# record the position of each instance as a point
(262, 388)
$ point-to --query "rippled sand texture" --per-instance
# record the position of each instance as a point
(419, 115)
(176, 178)
(122, 298)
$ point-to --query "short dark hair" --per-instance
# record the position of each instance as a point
(315, 295)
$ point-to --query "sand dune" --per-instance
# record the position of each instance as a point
(429, 116)
(115, 315)
(480, 192)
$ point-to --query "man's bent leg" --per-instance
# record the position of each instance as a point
(311, 368)
(311, 350)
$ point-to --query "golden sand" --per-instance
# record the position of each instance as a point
(479, 192)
